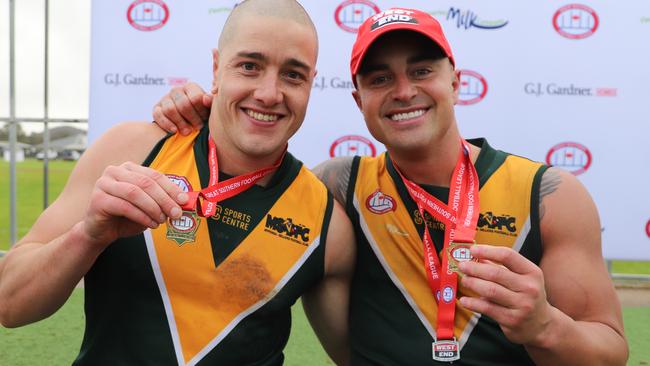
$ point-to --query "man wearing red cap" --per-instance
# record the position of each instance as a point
(465, 253)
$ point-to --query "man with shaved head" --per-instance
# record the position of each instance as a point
(193, 248)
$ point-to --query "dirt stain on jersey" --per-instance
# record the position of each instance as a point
(245, 280)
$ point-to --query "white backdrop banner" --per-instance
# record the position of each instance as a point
(560, 82)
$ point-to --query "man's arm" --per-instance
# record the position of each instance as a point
(104, 198)
(565, 312)
(335, 174)
(326, 305)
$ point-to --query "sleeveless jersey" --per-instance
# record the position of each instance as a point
(393, 311)
(209, 291)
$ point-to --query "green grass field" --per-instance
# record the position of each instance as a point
(56, 340)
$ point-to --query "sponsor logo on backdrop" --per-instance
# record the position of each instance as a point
(380, 203)
(336, 82)
(575, 21)
(473, 87)
(147, 15)
(287, 229)
(571, 156)
(117, 79)
(351, 13)
(557, 89)
(352, 145)
(466, 19)
(647, 228)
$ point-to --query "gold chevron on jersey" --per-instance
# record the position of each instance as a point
(401, 256)
(204, 302)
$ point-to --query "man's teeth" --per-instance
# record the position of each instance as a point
(262, 116)
(408, 115)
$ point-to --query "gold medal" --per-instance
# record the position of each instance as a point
(183, 229)
(458, 252)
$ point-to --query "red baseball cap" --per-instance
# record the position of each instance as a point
(391, 20)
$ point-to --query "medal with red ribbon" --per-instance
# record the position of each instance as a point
(218, 191)
(459, 216)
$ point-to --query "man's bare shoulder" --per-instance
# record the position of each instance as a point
(335, 173)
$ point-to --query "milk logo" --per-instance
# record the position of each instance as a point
(473, 87)
(571, 156)
(380, 203)
(147, 15)
(575, 21)
(352, 145)
(350, 14)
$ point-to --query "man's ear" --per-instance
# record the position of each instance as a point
(357, 99)
(455, 85)
(215, 67)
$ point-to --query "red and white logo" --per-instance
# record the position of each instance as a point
(575, 21)
(181, 182)
(185, 223)
(572, 156)
(351, 13)
(380, 203)
(461, 254)
(473, 87)
(147, 15)
(352, 145)
(647, 228)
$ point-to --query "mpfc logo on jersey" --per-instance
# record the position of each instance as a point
(147, 15)
(473, 87)
(571, 156)
(352, 145)
(350, 14)
(575, 21)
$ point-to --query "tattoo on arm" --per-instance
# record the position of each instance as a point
(551, 179)
(335, 174)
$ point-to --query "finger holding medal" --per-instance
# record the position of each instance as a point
(510, 290)
(129, 198)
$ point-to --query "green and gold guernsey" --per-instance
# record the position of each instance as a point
(209, 291)
(393, 312)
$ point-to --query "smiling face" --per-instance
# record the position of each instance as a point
(262, 81)
(406, 91)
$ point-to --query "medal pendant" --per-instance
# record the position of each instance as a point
(446, 350)
(183, 229)
(456, 253)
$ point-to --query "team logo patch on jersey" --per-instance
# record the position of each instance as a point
(504, 224)
(380, 203)
(287, 229)
(183, 229)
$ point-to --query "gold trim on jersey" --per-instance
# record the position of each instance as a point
(395, 240)
(205, 303)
